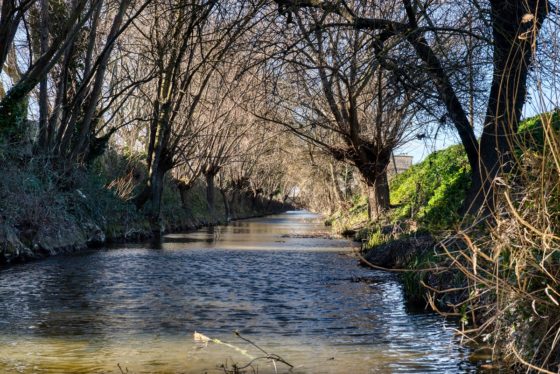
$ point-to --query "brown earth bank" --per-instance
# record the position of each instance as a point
(429, 280)
(398, 253)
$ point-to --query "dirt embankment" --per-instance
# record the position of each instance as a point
(429, 280)
(398, 253)
(78, 220)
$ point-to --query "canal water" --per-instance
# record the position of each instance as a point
(138, 306)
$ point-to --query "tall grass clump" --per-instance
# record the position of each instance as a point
(353, 218)
(513, 264)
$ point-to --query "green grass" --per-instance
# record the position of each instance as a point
(432, 191)
(354, 217)
(532, 132)
(412, 286)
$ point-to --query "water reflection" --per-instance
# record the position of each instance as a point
(297, 297)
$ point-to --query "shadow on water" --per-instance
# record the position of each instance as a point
(140, 304)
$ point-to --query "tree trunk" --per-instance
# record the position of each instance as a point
(184, 189)
(255, 200)
(153, 191)
(10, 18)
(378, 196)
(156, 187)
(348, 179)
(210, 194)
(335, 186)
(373, 169)
(43, 84)
(142, 198)
(226, 205)
(232, 203)
(515, 26)
(269, 202)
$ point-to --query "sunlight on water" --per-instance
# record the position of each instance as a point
(156, 355)
(294, 296)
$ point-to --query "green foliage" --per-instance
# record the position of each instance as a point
(433, 190)
(412, 280)
(13, 117)
(532, 132)
(376, 238)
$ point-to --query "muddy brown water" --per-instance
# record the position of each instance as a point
(138, 306)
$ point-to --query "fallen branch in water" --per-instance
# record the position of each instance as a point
(121, 369)
(236, 368)
(201, 338)
(269, 356)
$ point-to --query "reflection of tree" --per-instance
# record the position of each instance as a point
(70, 295)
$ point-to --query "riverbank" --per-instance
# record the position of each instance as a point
(430, 281)
(498, 276)
(44, 213)
(425, 200)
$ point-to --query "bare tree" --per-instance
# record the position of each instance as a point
(330, 93)
(515, 27)
(189, 41)
(80, 13)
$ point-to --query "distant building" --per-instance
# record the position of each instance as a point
(398, 164)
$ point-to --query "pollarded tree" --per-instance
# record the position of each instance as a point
(228, 125)
(186, 41)
(514, 27)
(330, 93)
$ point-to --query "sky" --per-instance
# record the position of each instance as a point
(420, 149)
(543, 99)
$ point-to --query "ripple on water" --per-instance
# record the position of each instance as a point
(139, 306)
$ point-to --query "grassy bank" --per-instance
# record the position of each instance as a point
(500, 277)
(425, 200)
(45, 212)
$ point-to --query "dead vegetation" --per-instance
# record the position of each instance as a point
(512, 266)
